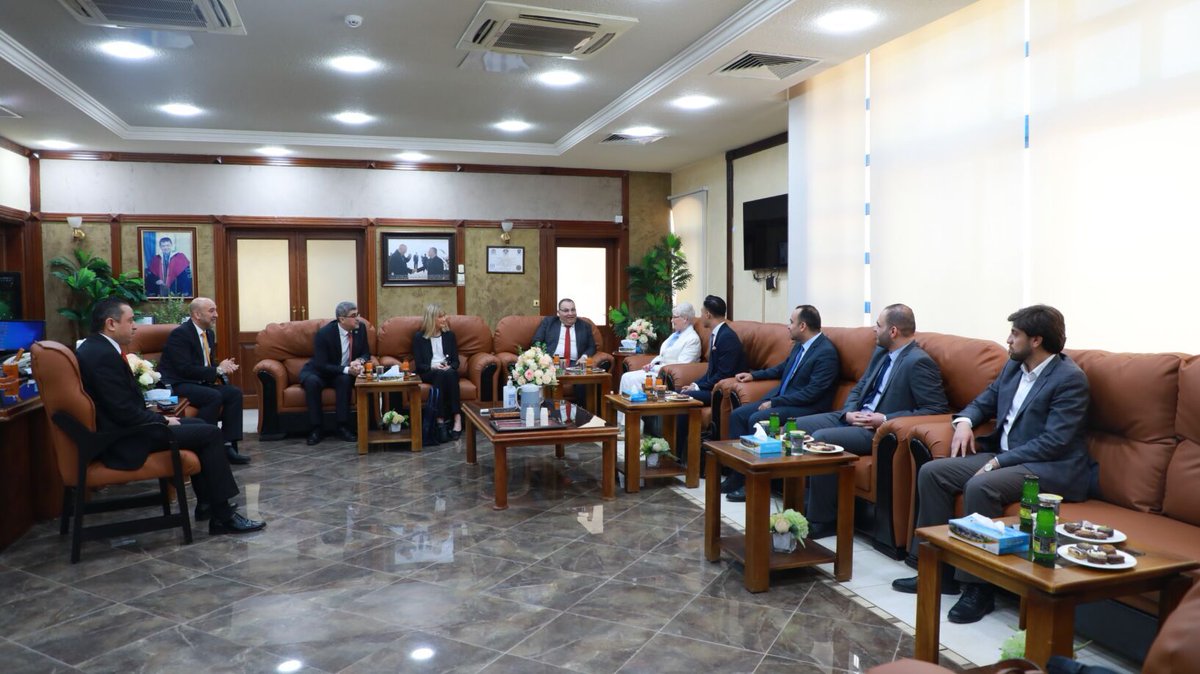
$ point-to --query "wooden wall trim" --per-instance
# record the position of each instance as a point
(114, 235)
(460, 258)
(730, 156)
(34, 286)
(15, 147)
(35, 184)
(371, 297)
(13, 214)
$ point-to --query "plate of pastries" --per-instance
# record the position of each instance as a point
(1090, 532)
(1097, 556)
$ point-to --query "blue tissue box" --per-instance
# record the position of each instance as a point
(770, 447)
(1011, 540)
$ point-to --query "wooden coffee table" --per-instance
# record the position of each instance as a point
(1048, 596)
(410, 387)
(595, 383)
(572, 432)
(754, 548)
(632, 465)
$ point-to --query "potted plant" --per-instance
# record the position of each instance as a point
(90, 280)
(653, 449)
(661, 274)
(788, 528)
(394, 420)
(171, 310)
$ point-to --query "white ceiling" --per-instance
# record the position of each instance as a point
(272, 86)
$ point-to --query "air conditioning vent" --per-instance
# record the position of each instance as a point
(210, 16)
(765, 66)
(5, 113)
(622, 139)
(521, 29)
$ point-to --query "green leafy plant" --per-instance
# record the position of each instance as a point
(1013, 646)
(652, 445)
(90, 280)
(392, 417)
(171, 310)
(662, 272)
(790, 521)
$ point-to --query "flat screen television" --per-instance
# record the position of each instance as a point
(765, 233)
(16, 335)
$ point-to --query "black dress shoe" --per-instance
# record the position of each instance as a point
(203, 512)
(314, 438)
(978, 600)
(235, 525)
(909, 585)
(443, 433)
(821, 529)
(732, 483)
(737, 495)
(234, 457)
(347, 434)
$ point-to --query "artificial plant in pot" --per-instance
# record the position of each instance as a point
(90, 279)
(662, 272)
(170, 310)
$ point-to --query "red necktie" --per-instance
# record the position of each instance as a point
(567, 346)
(349, 347)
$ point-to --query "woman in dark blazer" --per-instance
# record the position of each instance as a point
(436, 353)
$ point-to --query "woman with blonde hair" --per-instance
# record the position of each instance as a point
(435, 351)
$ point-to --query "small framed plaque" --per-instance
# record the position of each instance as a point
(506, 259)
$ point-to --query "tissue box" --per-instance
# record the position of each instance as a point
(768, 447)
(969, 530)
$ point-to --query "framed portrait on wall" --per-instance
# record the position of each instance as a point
(168, 261)
(412, 259)
(506, 259)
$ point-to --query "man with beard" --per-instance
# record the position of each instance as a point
(901, 381)
(1040, 403)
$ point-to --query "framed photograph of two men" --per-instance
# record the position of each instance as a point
(168, 261)
(411, 259)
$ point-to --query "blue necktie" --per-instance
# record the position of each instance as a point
(869, 401)
(671, 340)
(795, 365)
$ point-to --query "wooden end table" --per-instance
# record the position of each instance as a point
(1048, 595)
(754, 547)
(410, 387)
(559, 437)
(632, 465)
(595, 383)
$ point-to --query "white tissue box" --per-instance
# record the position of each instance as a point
(998, 542)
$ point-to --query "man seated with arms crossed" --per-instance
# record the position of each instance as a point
(725, 359)
(187, 365)
(1040, 402)
(120, 404)
(901, 381)
(339, 350)
(808, 382)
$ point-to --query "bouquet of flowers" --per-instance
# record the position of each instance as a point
(641, 331)
(652, 445)
(393, 418)
(790, 521)
(143, 371)
(535, 366)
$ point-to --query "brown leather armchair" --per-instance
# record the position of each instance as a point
(149, 342)
(76, 448)
(283, 349)
(514, 333)
(477, 365)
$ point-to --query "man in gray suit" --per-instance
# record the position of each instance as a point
(901, 381)
(1040, 403)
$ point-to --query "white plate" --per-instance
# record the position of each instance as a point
(833, 449)
(1129, 563)
(1117, 536)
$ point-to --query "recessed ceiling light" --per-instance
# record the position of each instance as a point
(421, 653)
(273, 151)
(412, 156)
(126, 50)
(53, 144)
(847, 20)
(513, 125)
(694, 102)
(640, 131)
(354, 64)
(353, 117)
(180, 109)
(289, 666)
(559, 78)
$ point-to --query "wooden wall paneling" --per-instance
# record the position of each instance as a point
(33, 286)
(35, 183)
(114, 235)
(374, 278)
(460, 258)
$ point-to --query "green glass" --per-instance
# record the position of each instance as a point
(773, 425)
(1029, 499)
(1044, 548)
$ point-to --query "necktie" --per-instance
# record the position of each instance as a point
(671, 340)
(795, 364)
(712, 341)
(349, 349)
(567, 345)
(869, 400)
(204, 347)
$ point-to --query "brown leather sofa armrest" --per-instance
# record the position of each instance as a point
(476, 364)
(743, 392)
(637, 362)
(388, 361)
(602, 360)
(936, 433)
(681, 374)
(278, 372)
(507, 361)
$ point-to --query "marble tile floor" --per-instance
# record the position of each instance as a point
(396, 561)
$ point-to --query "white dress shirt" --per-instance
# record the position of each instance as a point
(1028, 378)
(439, 352)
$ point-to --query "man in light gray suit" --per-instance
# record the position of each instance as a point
(1040, 402)
(901, 381)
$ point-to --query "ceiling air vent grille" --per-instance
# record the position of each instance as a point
(765, 66)
(211, 16)
(521, 29)
(622, 139)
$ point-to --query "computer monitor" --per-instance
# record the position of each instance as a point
(16, 335)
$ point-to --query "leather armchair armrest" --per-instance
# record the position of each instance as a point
(602, 360)
(637, 362)
(936, 434)
(681, 374)
(507, 361)
(388, 361)
(476, 365)
(742, 392)
(277, 372)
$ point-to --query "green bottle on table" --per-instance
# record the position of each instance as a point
(773, 425)
(1029, 499)
(1044, 547)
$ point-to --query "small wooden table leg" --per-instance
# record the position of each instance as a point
(501, 477)
(712, 509)
(757, 572)
(929, 602)
(470, 433)
(1170, 595)
(608, 465)
(793, 494)
(414, 421)
(592, 396)
(692, 478)
(633, 452)
(843, 566)
(361, 398)
(560, 451)
(1051, 628)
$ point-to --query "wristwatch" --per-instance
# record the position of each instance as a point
(987, 467)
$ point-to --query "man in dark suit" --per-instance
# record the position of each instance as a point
(189, 366)
(398, 263)
(565, 335)
(339, 350)
(807, 383)
(725, 359)
(434, 266)
(120, 404)
(1040, 403)
(901, 381)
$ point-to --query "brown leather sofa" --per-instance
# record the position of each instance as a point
(149, 340)
(477, 365)
(283, 349)
(515, 333)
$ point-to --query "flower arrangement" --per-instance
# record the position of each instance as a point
(393, 418)
(143, 371)
(790, 521)
(652, 445)
(535, 366)
(641, 330)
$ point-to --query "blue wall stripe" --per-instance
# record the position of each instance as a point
(867, 257)
(1027, 49)
(867, 307)
(867, 206)
(868, 103)
(1026, 132)
(868, 159)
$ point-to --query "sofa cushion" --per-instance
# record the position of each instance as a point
(514, 333)
(1176, 648)
(1182, 499)
(968, 365)
(1131, 423)
(854, 347)
(764, 344)
(149, 340)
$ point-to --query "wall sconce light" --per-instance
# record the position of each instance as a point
(76, 222)
(506, 227)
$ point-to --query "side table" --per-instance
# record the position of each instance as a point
(410, 387)
(632, 465)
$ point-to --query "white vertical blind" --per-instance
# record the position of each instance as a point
(688, 213)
